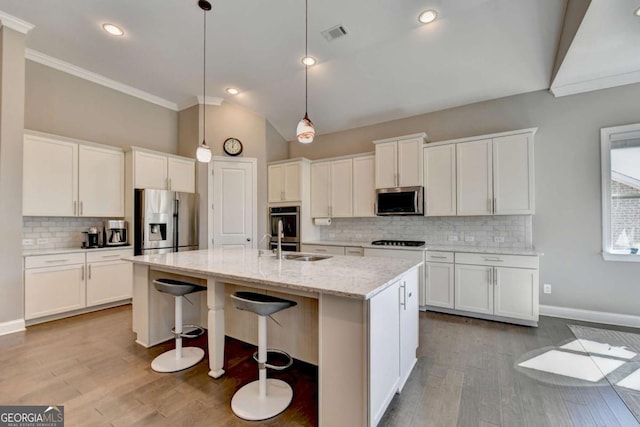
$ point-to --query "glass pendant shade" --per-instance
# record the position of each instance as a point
(305, 130)
(203, 153)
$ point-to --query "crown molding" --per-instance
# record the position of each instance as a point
(74, 70)
(596, 84)
(196, 100)
(14, 23)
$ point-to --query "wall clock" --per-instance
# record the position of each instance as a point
(232, 146)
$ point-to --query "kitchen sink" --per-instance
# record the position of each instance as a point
(303, 257)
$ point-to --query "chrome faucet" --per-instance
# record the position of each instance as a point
(280, 234)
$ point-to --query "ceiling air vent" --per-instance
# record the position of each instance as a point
(334, 33)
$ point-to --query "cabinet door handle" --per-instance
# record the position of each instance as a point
(110, 256)
(494, 205)
(50, 261)
(437, 256)
(495, 277)
(89, 275)
(403, 295)
(493, 260)
(489, 203)
(490, 275)
(82, 273)
(74, 208)
(81, 208)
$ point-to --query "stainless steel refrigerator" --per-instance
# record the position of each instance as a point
(165, 221)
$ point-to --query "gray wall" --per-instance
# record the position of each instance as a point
(62, 104)
(11, 128)
(567, 225)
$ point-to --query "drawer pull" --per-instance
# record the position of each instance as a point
(321, 250)
(437, 256)
(51, 261)
(110, 256)
(494, 259)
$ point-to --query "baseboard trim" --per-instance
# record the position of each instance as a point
(12, 326)
(591, 316)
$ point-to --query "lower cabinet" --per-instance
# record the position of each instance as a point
(497, 285)
(393, 314)
(323, 249)
(61, 283)
(439, 283)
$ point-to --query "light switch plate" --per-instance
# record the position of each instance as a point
(453, 238)
(469, 238)
(547, 288)
(43, 241)
(27, 242)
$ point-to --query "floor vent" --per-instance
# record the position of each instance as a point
(334, 33)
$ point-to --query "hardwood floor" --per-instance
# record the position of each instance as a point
(466, 375)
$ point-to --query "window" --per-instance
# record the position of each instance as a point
(620, 158)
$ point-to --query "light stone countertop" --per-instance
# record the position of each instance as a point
(35, 252)
(354, 277)
(428, 247)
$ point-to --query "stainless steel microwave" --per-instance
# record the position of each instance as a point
(400, 201)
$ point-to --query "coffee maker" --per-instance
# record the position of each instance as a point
(91, 238)
(115, 233)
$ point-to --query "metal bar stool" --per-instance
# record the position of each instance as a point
(264, 398)
(180, 358)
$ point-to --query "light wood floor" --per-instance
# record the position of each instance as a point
(465, 376)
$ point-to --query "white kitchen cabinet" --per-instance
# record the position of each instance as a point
(331, 189)
(364, 186)
(398, 161)
(516, 293)
(498, 285)
(181, 174)
(440, 180)
(474, 178)
(53, 284)
(109, 279)
(513, 175)
(163, 172)
(50, 177)
(285, 182)
(409, 320)
(474, 288)
(100, 182)
(65, 177)
(384, 350)
(439, 280)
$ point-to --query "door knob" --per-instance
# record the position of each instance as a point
(248, 239)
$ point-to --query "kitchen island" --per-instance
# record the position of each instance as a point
(361, 312)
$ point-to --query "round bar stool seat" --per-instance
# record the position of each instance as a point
(264, 398)
(181, 357)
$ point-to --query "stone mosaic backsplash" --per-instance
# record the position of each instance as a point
(513, 231)
(59, 232)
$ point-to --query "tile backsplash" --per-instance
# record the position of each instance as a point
(59, 232)
(515, 230)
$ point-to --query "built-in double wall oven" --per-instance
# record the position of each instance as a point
(290, 217)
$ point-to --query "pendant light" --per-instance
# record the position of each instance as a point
(305, 130)
(203, 153)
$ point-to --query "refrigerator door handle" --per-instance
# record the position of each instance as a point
(176, 211)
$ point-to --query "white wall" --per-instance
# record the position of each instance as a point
(567, 224)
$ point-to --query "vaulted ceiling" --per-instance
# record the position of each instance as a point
(389, 66)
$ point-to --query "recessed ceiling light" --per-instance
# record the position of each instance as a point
(428, 16)
(232, 91)
(637, 12)
(114, 30)
(308, 61)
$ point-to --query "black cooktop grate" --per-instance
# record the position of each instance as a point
(398, 243)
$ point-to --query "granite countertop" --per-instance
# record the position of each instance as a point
(354, 277)
(428, 247)
(33, 252)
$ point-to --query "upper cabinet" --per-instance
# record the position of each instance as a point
(364, 186)
(486, 175)
(285, 182)
(398, 161)
(163, 172)
(331, 189)
(65, 177)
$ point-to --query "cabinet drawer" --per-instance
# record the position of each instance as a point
(39, 261)
(354, 251)
(436, 256)
(517, 261)
(111, 255)
(324, 249)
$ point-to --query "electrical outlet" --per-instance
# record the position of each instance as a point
(498, 239)
(27, 242)
(453, 238)
(358, 236)
(469, 238)
(43, 241)
(547, 288)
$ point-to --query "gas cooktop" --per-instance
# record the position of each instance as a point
(415, 243)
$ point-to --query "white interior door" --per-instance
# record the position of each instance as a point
(233, 212)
